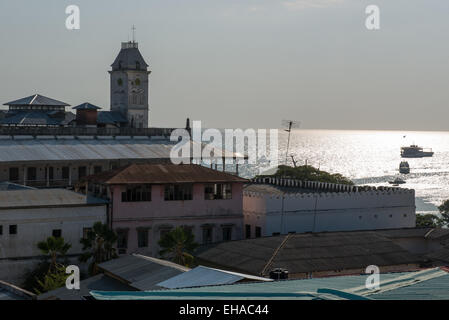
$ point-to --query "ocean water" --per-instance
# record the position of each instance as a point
(372, 158)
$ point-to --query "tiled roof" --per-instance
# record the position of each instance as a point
(163, 173)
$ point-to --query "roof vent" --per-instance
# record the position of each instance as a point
(279, 274)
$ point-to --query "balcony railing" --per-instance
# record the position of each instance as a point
(76, 131)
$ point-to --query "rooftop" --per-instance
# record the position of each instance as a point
(86, 106)
(163, 174)
(203, 276)
(427, 284)
(9, 186)
(37, 100)
(45, 198)
(309, 252)
(141, 272)
(129, 58)
(68, 148)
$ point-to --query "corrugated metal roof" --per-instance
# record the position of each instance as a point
(44, 198)
(301, 253)
(36, 100)
(69, 148)
(163, 173)
(426, 284)
(204, 276)
(98, 282)
(140, 272)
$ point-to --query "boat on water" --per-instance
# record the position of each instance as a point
(415, 151)
(397, 181)
(404, 167)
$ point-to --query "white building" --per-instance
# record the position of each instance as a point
(29, 216)
(279, 206)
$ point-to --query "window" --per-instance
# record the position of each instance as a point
(258, 232)
(227, 233)
(137, 82)
(142, 238)
(247, 231)
(137, 194)
(120, 81)
(13, 229)
(65, 173)
(207, 235)
(31, 174)
(163, 232)
(122, 239)
(13, 174)
(188, 229)
(218, 191)
(97, 169)
(57, 233)
(51, 173)
(178, 192)
(86, 232)
(1, 230)
(82, 172)
(137, 65)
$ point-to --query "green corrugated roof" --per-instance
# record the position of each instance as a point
(429, 283)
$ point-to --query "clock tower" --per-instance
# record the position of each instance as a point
(130, 85)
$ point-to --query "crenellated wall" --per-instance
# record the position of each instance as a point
(327, 207)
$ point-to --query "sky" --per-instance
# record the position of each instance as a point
(241, 63)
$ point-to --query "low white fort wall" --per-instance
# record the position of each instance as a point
(328, 207)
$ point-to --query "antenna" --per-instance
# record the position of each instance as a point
(134, 33)
(289, 125)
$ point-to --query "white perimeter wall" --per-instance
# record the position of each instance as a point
(344, 211)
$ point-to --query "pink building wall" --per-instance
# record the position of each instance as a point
(158, 214)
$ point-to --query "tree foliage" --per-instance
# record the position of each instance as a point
(309, 173)
(54, 248)
(444, 210)
(178, 246)
(98, 246)
(52, 280)
(427, 221)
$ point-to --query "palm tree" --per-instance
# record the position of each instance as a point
(54, 248)
(98, 245)
(178, 245)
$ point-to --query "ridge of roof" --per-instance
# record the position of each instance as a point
(161, 174)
